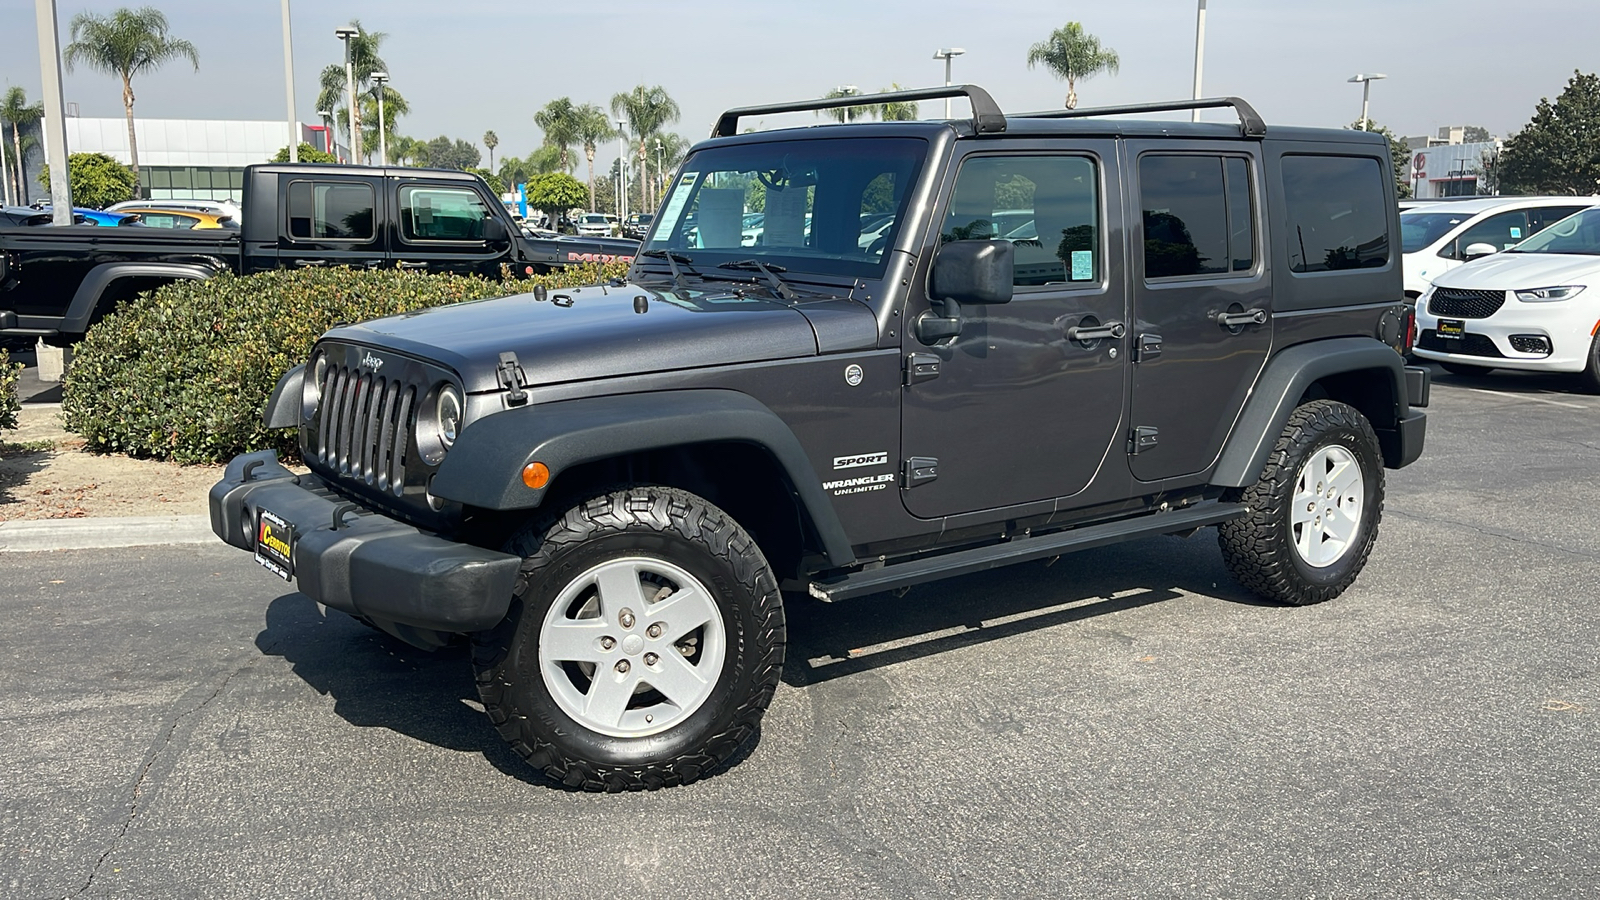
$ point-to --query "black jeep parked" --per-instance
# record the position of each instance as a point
(1076, 331)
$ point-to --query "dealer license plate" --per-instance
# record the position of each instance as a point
(1451, 328)
(275, 544)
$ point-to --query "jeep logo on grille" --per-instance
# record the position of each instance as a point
(371, 362)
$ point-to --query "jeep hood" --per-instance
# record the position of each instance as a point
(602, 332)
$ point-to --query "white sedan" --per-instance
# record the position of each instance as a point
(1534, 307)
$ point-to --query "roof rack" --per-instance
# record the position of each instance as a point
(1250, 121)
(986, 115)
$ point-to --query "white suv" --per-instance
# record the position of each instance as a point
(1434, 237)
(1534, 307)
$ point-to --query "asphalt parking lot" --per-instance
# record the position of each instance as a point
(1124, 723)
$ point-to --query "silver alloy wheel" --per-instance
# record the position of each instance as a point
(632, 647)
(1328, 503)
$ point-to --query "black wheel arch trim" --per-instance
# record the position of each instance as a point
(283, 407)
(1285, 381)
(93, 287)
(484, 468)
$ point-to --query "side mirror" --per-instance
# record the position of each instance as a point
(974, 272)
(495, 231)
(1477, 251)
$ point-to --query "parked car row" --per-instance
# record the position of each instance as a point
(159, 214)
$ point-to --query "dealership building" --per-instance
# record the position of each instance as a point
(192, 158)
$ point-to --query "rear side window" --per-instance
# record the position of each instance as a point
(441, 214)
(1196, 213)
(1338, 213)
(1048, 207)
(330, 210)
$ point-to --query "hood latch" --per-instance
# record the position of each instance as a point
(512, 379)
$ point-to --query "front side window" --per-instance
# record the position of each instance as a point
(806, 205)
(1197, 215)
(1542, 217)
(1048, 207)
(1578, 235)
(441, 214)
(330, 210)
(1338, 213)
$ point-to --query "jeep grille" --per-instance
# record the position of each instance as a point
(364, 426)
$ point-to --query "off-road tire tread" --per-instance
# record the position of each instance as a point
(661, 509)
(1256, 547)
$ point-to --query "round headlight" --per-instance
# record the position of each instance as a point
(449, 415)
(311, 385)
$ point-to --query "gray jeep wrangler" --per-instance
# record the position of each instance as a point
(851, 359)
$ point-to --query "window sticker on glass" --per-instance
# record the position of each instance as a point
(1516, 233)
(675, 203)
(1082, 265)
(721, 213)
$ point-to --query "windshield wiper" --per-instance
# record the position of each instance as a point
(770, 272)
(673, 257)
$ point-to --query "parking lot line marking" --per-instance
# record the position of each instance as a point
(1528, 397)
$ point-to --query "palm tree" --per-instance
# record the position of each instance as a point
(403, 150)
(491, 140)
(15, 111)
(648, 110)
(593, 126)
(1072, 54)
(843, 114)
(895, 111)
(128, 43)
(364, 60)
(559, 121)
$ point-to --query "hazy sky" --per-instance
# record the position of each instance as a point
(470, 65)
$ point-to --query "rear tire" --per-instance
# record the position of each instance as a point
(643, 644)
(1465, 369)
(1314, 512)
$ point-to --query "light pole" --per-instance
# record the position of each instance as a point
(345, 33)
(288, 85)
(947, 54)
(1199, 54)
(378, 78)
(326, 115)
(661, 169)
(55, 131)
(622, 170)
(1366, 92)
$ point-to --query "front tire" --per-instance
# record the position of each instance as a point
(643, 644)
(1314, 512)
(1589, 378)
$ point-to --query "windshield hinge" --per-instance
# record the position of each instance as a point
(511, 378)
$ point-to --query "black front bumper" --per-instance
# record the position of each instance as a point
(368, 565)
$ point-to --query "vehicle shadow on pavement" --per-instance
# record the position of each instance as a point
(828, 641)
(1506, 381)
(377, 681)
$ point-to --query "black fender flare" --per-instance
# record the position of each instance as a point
(1280, 388)
(484, 468)
(93, 287)
(283, 407)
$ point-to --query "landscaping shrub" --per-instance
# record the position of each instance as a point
(183, 372)
(10, 403)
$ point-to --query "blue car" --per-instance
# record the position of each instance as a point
(82, 216)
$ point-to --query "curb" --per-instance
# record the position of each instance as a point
(95, 534)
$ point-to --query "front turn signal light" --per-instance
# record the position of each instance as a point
(536, 475)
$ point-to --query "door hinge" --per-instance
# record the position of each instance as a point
(509, 373)
(919, 470)
(921, 367)
(1142, 438)
(1148, 347)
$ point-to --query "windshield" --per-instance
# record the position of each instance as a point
(830, 206)
(1419, 230)
(1576, 234)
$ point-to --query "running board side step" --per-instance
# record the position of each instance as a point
(993, 556)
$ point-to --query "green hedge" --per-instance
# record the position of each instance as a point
(10, 403)
(183, 372)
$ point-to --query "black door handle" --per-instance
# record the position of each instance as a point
(1112, 330)
(310, 262)
(1241, 319)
